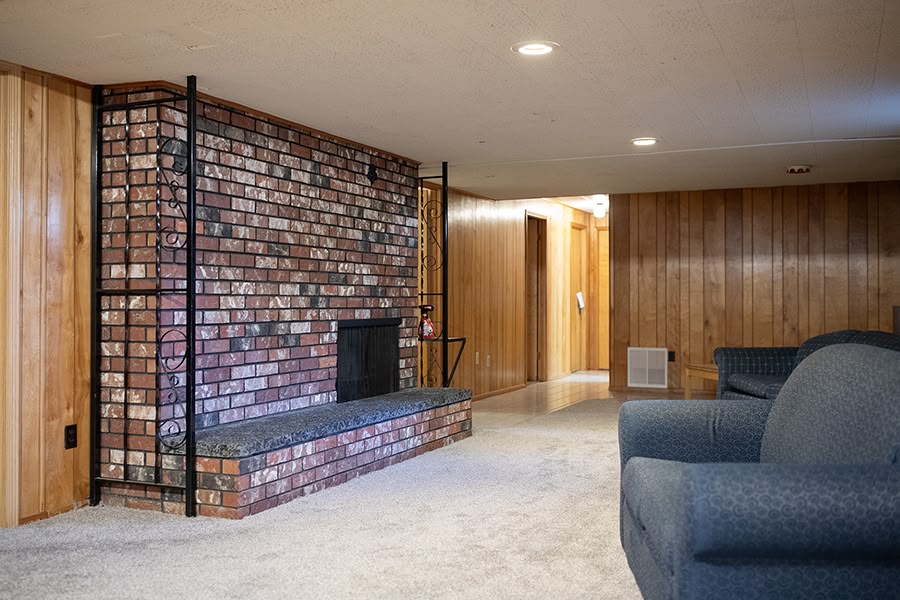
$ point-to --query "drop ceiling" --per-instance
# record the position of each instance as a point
(735, 90)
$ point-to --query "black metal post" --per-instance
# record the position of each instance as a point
(96, 142)
(190, 450)
(445, 279)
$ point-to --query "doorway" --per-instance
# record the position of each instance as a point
(535, 298)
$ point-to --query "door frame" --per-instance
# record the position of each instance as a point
(540, 344)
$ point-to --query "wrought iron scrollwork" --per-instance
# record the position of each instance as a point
(432, 215)
(170, 429)
(173, 164)
(172, 237)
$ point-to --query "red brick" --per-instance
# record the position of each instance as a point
(278, 456)
(222, 512)
(326, 443)
(209, 497)
(209, 465)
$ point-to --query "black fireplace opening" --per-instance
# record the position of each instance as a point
(368, 358)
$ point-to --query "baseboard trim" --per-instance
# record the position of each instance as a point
(485, 395)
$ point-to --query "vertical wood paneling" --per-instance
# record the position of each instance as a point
(888, 252)
(790, 264)
(697, 308)
(713, 271)
(734, 279)
(648, 306)
(31, 490)
(82, 303)
(634, 260)
(777, 267)
(684, 261)
(11, 241)
(756, 267)
(600, 251)
(60, 280)
(836, 260)
(661, 270)
(857, 253)
(873, 248)
(816, 258)
(620, 284)
(49, 129)
(803, 263)
(763, 318)
(747, 265)
(673, 280)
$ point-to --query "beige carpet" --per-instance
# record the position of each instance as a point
(527, 508)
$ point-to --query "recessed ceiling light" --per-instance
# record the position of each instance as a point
(644, 141)
(535, 48)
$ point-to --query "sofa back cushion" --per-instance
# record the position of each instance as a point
(844, 336)
(840, 406)
(882, 339)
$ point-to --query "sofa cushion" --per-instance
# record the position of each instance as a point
(832, 410)
(761, 386)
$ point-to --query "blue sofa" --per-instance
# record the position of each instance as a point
(792, 498)
(760, 372)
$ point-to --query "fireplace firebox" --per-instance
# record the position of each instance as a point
(368, 358)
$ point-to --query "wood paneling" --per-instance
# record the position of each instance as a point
(48, 334)
(599, 297)
(753, 267)
(487, 259)
(578, 259)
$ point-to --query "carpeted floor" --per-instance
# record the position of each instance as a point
(526, 508)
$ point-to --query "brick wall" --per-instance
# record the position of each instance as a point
(295, 238)
(292, 238)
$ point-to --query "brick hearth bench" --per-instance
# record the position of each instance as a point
(245, 468)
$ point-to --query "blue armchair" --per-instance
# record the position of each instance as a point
(746, 373)
(797, 497)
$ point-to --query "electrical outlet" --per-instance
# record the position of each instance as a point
(488, 360)
(71, 436)
(477, 357)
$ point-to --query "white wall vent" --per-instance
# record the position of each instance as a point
(647, 367)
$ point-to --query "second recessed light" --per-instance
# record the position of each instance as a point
(644, 141)
(535, 48)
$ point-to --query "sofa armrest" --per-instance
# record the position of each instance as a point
(768, 511)
(692, 430)
(757, 361)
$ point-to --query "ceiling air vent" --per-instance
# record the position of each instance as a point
(647, 367)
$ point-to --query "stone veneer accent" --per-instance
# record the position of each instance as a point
(293, 237)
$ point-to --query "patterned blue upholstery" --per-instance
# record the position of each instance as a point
(755, 372)
(850, 416)
(758, 386)
(756, 361)
(819, 517)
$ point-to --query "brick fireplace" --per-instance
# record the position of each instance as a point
(294, 238)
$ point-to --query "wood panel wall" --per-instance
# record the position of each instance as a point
(487, 288)
(750, 267)
(45, 181)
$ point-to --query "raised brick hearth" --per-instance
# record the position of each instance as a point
(252, 466)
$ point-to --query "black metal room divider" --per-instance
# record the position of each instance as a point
(434, 283)
(143, 329)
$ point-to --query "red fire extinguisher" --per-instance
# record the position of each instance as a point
(426, 327)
